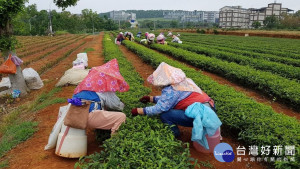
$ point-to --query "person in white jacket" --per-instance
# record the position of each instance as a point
(176, 39)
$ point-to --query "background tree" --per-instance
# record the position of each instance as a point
(271, 22)
(9, 9)
(174, 24)
(125, 25)
(290, 21)
(189, 24)
(256, 24)
(149, 24)
(38, 22)
(65, 3)
(297, 14)
(110, 25)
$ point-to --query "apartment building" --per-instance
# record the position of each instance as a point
(272, 9)
(238, 17)
(122, 16)
(192, 16)
(234, 17)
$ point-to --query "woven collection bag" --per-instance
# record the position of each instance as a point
(77, 116)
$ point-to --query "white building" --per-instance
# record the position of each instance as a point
(210, 16)
(122, 16)
(234, 17)
(238, 17)
(272, 9)
(192, 16)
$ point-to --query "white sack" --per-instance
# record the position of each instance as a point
(56, 129)
(32, 79)
(73, 77)
(5, 83)
(81, 58)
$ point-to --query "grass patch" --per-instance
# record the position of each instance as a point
(86, 50)
(206, 164)
(15, 130)
(45, 96)
(4, 164)
(16, 134)
(49, 102)
(61, 33)
(11, 118)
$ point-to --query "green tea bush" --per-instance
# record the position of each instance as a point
(284, 89)
(142, 142)
(256, 123)
(257, 63)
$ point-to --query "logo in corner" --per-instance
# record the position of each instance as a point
(223, 152)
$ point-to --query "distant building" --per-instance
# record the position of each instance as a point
(122, 16)
(272, 9)
(192, 16)
(234, 17)
(238, 17)
(211, 16)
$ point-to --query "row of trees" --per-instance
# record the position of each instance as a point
(33, 22)
(286, 21)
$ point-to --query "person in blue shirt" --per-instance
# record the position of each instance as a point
(177, 95)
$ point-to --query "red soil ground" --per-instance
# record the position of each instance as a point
(31, 154)
(49, 49)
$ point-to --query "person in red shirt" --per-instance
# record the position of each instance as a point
(120, 37)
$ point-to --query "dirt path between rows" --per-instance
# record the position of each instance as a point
(31, 154)
(29, 48)
(145, 70)
(48, 49)
(50, 58)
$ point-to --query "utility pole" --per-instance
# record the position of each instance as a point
(119, 25)
(50, 23)
(30, 23)
(93, 25)
(93, 28)
(154, 24)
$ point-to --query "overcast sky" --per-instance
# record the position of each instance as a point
(206, 5)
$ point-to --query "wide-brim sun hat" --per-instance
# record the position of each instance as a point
(166, 75)
(105, 78)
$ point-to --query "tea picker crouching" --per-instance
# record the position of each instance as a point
(149, 40)
(180, 97)
(120, 38)
(99, 87)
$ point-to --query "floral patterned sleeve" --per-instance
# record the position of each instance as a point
(165, 102)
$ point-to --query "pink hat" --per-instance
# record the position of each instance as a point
(151, 36)
(160, 37)
(105, 78)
